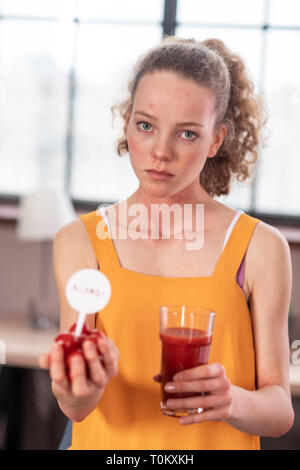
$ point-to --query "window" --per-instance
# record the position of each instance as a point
(35, 59)
(63, 64)
(97, 170)
(278, 186)
(265, 34)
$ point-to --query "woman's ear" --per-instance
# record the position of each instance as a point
(217, 141)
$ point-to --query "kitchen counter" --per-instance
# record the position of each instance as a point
(22, 343)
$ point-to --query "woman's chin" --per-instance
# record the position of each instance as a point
(158, 191)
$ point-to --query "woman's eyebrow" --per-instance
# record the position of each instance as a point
(188, 123)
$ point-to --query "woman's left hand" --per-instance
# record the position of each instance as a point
(211, 379)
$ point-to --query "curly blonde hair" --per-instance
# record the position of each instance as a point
(212, 64)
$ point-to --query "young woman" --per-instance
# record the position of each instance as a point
(192, 122)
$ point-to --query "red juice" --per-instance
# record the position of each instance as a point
(182, 348)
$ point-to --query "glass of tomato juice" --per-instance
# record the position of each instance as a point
(186, 335)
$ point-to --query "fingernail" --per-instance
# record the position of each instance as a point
(169, 387)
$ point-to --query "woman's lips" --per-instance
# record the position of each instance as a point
(158, 175)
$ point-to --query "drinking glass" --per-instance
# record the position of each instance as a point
(186, 335)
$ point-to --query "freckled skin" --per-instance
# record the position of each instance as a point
(164, 145)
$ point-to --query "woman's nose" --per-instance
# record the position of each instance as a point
(162, 149)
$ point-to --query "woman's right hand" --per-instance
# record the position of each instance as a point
(79, 396)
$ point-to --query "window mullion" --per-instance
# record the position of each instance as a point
(169, 21)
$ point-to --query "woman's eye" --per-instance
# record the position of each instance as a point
(190, 135)
(144, 126)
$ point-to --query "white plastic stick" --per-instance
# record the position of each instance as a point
(80, 323)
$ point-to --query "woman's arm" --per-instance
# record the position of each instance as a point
(270, 278)
(72, 251)
(266, 411)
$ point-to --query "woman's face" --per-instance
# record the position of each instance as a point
(171, 130)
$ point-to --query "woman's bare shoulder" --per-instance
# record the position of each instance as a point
(73, 230)
(265, 234)
(72, 241)
(268, 250)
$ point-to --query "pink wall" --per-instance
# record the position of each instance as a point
(19, 274)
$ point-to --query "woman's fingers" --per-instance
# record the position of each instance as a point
(206, 401)
(198, 386)
(44, 361)
(216, 414)
(207, 371)
(57, 366)
(102, 360)
(79, 382)
(110, 356)
(95, 367)
(96, 372)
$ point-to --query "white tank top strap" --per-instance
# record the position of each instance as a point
(231, 227)
(102, 211)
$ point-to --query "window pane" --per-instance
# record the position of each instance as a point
(239, 196)
(98, 172)
(278, 189)
(220, 11)
(34, 62)
(44, 8)
(285, 12)
(131, 10)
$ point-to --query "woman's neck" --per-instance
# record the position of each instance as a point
(169, 214)
(191, 196)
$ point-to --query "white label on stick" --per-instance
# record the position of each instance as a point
(88, 291)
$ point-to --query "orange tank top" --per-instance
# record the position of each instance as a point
(128, 415)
